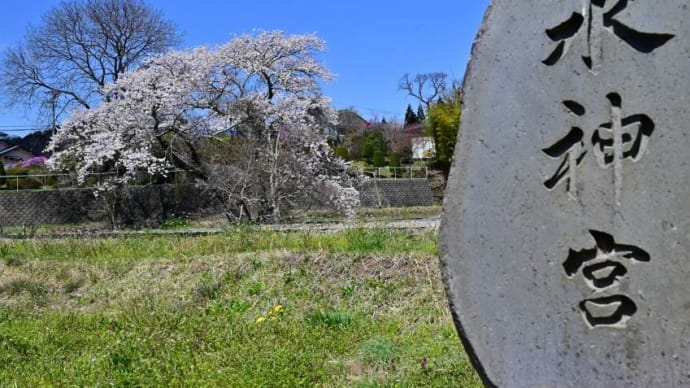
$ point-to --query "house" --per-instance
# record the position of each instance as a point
(11, 155)
(423, 147)
(349, 122)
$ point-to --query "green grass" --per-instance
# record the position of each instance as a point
(320, 216)
(380, 214)
(244, 308)
(122, 253)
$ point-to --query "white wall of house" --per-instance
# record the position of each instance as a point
(423, 147)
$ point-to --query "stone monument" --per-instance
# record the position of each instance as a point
(565, 240)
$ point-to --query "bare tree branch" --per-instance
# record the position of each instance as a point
(80, 46)
(424, 87)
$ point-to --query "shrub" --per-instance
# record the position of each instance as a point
(367, 151)
(379, 159)
(174, 223)
(342, 153)
(17, 170)
(394, 159)
(30, 184)
(31, 166)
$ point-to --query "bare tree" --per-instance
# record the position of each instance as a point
(80, 46)
(424, 87)
(395, 136)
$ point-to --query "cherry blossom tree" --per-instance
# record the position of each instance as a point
(245, 118)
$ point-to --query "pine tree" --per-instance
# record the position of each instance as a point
(420, 113)
(410, 117)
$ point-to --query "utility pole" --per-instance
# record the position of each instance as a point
(54, 94)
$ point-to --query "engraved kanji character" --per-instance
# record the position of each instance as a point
(596, 18)
(571, 149)
(602, 268)
(613, 142)
(623, 138)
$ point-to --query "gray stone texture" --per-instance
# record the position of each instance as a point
(510, 245)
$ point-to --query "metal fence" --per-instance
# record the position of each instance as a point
(409, 172)
(54, 181)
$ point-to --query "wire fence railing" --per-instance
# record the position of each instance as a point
(406, 172)
(59, 181)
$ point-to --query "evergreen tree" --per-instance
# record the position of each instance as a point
(410, 117)
(394, 159)
(367, 151)
(379, 158)
(342, 153)
(420, 113)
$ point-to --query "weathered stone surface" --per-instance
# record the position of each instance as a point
(565, 239)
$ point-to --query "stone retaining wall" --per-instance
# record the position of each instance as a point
(148, 206)
(142, 206)
(396, 193)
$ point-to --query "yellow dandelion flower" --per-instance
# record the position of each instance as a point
(277, 309)
(260, 319)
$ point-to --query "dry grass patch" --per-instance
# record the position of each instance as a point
(343, 309)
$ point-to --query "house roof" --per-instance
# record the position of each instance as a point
(14, 151)
(350, 121)
(415, 129)
(8, 150)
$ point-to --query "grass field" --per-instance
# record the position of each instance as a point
(243, 308)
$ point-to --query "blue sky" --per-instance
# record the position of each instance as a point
(371, 44)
